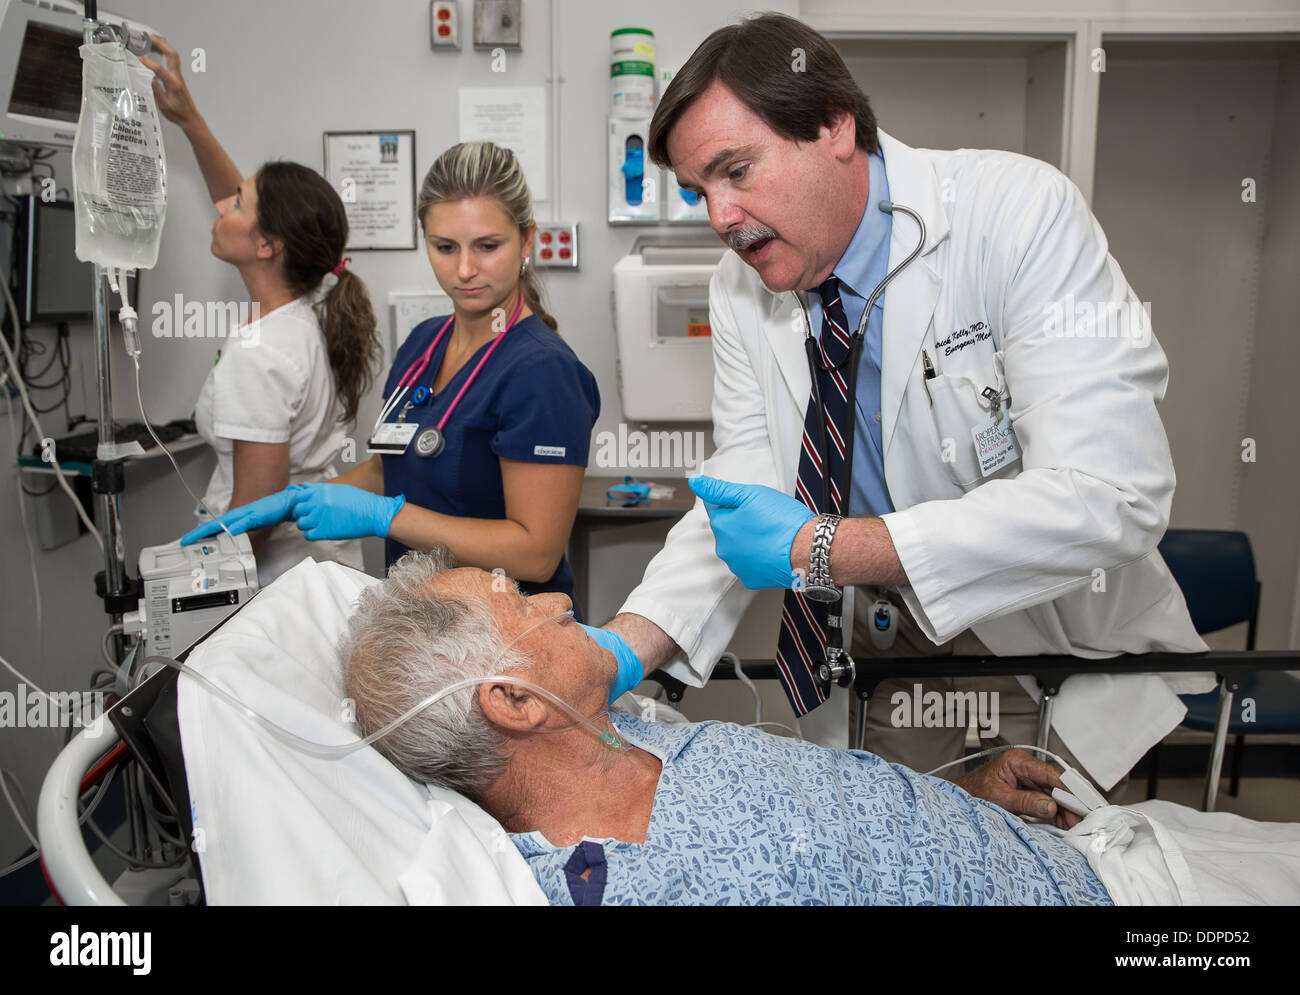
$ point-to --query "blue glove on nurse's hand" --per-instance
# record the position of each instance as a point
(630, 670)
(340, 511)
(753, 529)
(270, 510)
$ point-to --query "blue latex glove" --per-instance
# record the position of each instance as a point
(753, 529)
(270, 510)
(630, 491)
(340, 511)
(630, 670)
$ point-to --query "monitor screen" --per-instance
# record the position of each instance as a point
(54, 284)
(47, 83)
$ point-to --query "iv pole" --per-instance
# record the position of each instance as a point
(120, 593)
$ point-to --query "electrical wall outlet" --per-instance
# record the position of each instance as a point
(556, 245)
(498, 24)
(444, 24)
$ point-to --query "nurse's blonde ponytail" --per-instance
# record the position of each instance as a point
(481, 169)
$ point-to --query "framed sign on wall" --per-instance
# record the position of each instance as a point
(374, 174)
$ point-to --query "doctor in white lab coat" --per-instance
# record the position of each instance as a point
(1052, 553)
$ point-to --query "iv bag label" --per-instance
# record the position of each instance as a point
(131, 171)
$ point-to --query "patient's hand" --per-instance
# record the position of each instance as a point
(1020, 783)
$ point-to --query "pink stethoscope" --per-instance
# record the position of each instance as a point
(431, 441)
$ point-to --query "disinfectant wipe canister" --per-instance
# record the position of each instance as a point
(119, 172)
(632, 72)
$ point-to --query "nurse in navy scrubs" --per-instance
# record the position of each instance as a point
(483, 438)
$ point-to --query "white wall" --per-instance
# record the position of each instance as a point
(1168, 195)
(1267, 504)
(970, 99)
(1215, 268)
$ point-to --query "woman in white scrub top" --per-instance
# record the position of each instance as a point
(276, 403)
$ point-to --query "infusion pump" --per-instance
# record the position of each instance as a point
(190, 590)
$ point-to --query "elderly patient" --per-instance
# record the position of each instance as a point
(707, 813)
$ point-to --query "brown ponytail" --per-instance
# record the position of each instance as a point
(351, 339)
(297, 206)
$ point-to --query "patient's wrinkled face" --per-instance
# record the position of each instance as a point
(565, 659)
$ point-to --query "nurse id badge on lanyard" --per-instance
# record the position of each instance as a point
(392, 438)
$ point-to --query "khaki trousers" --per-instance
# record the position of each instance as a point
(925, 748)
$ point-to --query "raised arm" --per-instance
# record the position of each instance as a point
(177, 105)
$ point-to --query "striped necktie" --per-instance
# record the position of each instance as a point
(801, 646)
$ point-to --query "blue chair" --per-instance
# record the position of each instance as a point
(1216, 572)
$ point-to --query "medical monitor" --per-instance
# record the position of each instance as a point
(40, 71)
(52, 284)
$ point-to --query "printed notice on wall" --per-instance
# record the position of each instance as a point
(512, 117)
(374, 174)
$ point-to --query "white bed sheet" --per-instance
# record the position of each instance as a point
(1159, 853)
(276, 826)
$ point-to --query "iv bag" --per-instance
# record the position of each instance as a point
(119, 171)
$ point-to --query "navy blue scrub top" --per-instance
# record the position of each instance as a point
(534, 402)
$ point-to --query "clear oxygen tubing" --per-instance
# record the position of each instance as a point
(326, 751)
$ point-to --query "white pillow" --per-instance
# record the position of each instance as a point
(276, 826)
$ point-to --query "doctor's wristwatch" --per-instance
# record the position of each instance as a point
(819, 587)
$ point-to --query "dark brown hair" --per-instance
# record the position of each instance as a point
(297, 206)
(781, 69)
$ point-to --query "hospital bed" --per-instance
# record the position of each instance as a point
(270, 825)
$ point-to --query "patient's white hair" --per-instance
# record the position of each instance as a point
(404, 644)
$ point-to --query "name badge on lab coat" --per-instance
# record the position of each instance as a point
(392, 438)
(995, 443)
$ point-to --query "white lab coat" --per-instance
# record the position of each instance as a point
(1054, 553)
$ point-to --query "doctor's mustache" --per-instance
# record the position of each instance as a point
(748, 235)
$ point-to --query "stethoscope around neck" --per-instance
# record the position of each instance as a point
(431, 442)
(838, 667)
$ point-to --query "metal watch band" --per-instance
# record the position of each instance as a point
(819, 558)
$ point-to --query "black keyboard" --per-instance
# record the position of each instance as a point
(80, 448)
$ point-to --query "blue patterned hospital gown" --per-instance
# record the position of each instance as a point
(743, 817)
